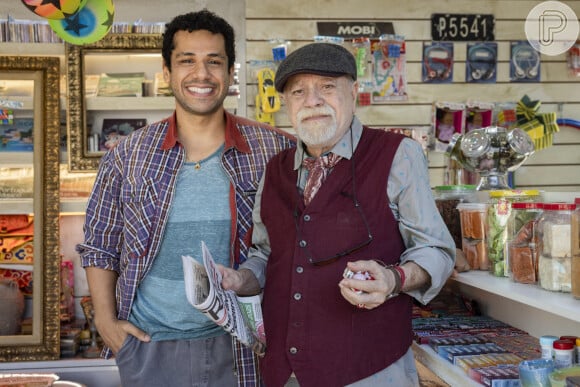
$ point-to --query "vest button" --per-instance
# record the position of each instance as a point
(307, 218)
(297, 296)
(299, 270)
(302, 243)
(293, 350)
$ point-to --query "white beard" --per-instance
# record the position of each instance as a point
(316, 133)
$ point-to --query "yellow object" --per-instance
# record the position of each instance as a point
(269, 98)
(262, 116)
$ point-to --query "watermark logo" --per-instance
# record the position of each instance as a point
(552, 27)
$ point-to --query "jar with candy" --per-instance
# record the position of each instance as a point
(575, 240)
(555, 259)
(522, 256)
(447, 197)
(473, 239)
(498, 213)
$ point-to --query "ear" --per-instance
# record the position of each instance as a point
(232, 73)
(354, 93)
(166, 72)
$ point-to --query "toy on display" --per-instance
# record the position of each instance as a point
(481, 62)
(267, 98)
(448, 119)
(573, 58)
(57, 9)
(478, 115)
(438, 62)
(389, 80)
(90, 24)
(525, 62)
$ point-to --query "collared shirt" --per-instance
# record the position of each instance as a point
(410, 198)
(128, 208)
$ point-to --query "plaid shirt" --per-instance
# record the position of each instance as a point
(129, 205)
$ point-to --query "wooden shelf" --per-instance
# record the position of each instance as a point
(34, 49)
(143, 103)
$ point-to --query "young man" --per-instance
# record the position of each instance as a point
(158, 194)
(348, 197)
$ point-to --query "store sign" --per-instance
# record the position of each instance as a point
(462, 28)
(349, 30)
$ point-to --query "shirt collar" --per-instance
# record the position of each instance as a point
(234, 138)
(342, 148)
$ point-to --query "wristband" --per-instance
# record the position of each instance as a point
(397, 288)
(402, 274)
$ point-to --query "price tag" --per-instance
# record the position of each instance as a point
(461, 28)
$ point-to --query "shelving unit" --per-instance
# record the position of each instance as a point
(524, 306)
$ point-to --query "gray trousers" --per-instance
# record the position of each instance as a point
(177, 363)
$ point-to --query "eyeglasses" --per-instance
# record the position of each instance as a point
(355, 220)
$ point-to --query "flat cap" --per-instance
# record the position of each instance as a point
(316, 58)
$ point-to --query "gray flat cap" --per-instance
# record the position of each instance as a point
(316, 58)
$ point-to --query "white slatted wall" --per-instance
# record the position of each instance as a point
(555, 169)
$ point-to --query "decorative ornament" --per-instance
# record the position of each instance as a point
(88, 25)
(539, 126)
(54, 9)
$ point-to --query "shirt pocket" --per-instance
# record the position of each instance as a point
(139, 211)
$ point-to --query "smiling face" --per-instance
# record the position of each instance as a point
(321, 108)
(199, 76)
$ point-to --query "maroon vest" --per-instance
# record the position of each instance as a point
(311, 329)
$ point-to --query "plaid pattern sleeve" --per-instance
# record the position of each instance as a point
(245, 171)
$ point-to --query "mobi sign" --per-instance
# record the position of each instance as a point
(355, 29)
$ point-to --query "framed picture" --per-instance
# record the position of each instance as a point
(113, 131)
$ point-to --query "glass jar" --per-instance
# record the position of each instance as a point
(521, 253)
(555, 259)
(473, 240)
(498, 213)
(447, 197)
(575, 240)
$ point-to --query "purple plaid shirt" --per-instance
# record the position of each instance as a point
(129, 205)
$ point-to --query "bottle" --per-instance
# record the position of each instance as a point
(498, 213)
(547, 346)
(473, 238)
(563, 353)
(575, 241)
(447, 197)
(522, 253)
(555, 259)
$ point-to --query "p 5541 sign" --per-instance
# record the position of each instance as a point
(462, 28)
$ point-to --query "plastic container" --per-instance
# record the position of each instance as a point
(536, 372)
(547, 346)
(558, 377)
(473, 240)
(575, 246)
(498, 214)
(447, 197)
(522, 255)
(555, 259)
(563, 353)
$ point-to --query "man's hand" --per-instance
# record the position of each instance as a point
(371, 293)
(114, 332)
(242, 281)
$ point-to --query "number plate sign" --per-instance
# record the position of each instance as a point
(462, 28)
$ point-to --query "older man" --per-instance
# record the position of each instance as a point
(349, 199)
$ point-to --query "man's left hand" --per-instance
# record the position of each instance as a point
(368, 294)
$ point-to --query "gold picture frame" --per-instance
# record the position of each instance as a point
(44, 104)
(79, 157)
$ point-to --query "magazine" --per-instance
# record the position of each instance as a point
(240, 316)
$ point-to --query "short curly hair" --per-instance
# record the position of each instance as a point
(194, 21)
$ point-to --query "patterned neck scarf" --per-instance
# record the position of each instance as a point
(318, 169)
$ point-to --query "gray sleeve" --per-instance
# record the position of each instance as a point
(427, 240)
(260, 250)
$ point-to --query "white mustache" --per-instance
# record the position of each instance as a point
(312, 112)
